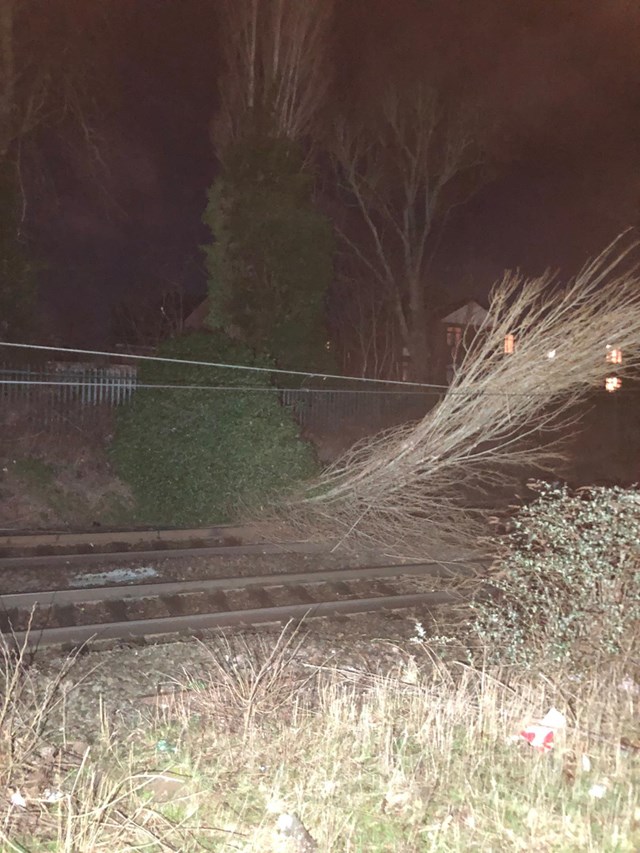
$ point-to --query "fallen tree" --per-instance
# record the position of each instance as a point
(409, 487)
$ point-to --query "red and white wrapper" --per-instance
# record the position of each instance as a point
(541, 735)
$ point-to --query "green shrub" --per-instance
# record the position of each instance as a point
(199, 456)
(568, 580)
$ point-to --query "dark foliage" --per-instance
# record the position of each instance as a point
(198, 455)
(270, 264)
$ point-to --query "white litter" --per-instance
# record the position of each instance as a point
(599, 790)
(114, 576)
(54, 796)
(18, 800)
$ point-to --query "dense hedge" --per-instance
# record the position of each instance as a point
(568, 580)
(198, 456)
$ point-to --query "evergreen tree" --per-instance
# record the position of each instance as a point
(270, 264)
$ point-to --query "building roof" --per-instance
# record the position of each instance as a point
(469, 314)
(198, 318)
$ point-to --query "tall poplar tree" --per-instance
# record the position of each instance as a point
(270, 264)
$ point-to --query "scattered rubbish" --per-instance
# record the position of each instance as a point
(49, 795)
(166, 787)
(599, 790)
(52, 796)
(165, 746)
(114, 576)
(420, 634)
(18, 800)
(541, 734)
(586, 763)
(291, 827)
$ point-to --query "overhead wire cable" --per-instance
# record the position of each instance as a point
(161, 387)
(195, 363)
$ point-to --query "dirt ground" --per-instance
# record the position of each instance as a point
(58, 477)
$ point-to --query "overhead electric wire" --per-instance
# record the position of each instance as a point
(161, 387)
(412, 388)
(219, 365)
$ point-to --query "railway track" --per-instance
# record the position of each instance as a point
(69, 616)
(17, 544)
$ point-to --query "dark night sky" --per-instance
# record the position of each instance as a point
(559, 81)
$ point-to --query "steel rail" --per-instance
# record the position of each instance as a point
(300, 583)
(52, 597)
(15, 539)
(53, 560)
(168, 625)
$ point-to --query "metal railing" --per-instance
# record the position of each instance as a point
(53, 395)
(56, 394)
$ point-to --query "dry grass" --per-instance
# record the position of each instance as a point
(419, 759)
(501, 414)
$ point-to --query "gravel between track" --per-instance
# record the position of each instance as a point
(170, 568)
(117, 686)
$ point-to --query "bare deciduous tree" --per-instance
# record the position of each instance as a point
(405, 169)
(147, 320)
(48, 61)
(275, 55)
(503, 412)
(363, 329)
(24, 84)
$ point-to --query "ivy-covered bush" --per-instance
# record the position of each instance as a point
(568, 580)
(201, 454)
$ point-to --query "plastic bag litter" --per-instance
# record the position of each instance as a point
(17, 799)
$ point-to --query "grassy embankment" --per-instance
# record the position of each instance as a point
(420, 759)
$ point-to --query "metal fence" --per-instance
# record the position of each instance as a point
(320, 409)
(58, 394)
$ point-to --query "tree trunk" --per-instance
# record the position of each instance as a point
(418, 339)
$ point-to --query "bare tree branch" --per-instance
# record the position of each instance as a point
(400, 169)
(501, 411)
(23, 88)
(47, 63)
(275, 53)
